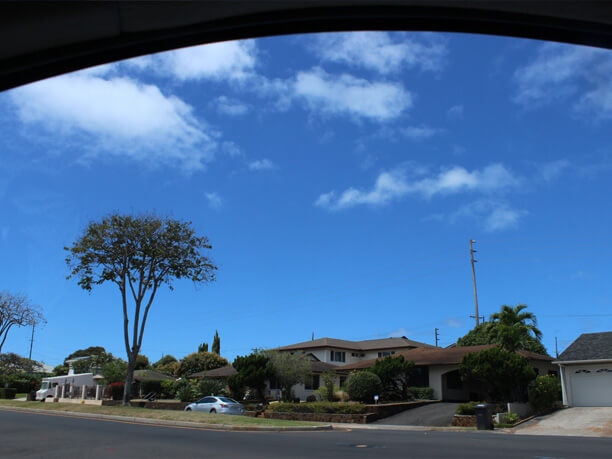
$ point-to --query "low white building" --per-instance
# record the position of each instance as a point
(586, 370)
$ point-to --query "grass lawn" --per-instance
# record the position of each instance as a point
(21, 395)
(205, 418)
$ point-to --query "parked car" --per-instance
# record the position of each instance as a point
(221, 405)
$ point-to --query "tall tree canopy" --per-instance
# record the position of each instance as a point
(501, 372)
(289, 369)
(138, 254)
(200, 361)
(17, 311)
(395, 373)
(512, 328)
(253, 372)
(216, 345)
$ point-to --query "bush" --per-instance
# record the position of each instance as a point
(186, 392)
(168, 390)
(210, 387)
(318, 407)
(467, 408)
(146, 387)
(8, 393)
(200, 361)
(328, 389)
(544, 392)
(116, 390)
(363, 386)
(236, 387)
(311, 398)
(420, 393)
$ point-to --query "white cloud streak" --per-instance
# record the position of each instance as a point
(563, 71)
(231, 60)
(419, 133)
(347, 95)
(262, 165)
(382, 52)
(396, 184)
(117, 116)
(214, 200)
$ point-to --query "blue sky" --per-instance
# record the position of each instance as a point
(339, 178)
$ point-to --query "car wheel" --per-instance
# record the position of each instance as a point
(187, 409)
(213, 411)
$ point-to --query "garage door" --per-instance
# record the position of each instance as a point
(591, 385)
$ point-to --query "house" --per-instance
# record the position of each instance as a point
(342, 352)
(439, 368)
(586, 370)
(327, 354)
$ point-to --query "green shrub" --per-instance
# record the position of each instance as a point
(467, 408)
(311, 398)
(319, 407)
(327, 390)
(512, 418)
(147, 387)
(544, 392)
(186, 392)
(210, 387)
(168, 390)
(420, 393)
(8, 392)
(363, 386)
(236, 387)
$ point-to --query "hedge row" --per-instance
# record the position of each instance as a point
(420, 393)
(319, 407)
(8, 393)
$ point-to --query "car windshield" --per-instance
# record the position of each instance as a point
(387, 217)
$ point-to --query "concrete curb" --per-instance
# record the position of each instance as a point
(337, 425)
(168, 423)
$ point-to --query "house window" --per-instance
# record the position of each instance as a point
(312, 382)
(337, 356)
(385, 353)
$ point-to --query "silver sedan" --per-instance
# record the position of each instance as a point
(221, 405)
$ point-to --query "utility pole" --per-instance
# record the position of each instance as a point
(436, 331)
(472, 252)
(556, 348)
(31, 343)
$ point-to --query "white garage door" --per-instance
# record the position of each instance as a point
(591, 385)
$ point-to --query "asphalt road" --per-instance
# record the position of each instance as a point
(436, 414)
(25, 435)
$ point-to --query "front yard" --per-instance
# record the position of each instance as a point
(169, 415)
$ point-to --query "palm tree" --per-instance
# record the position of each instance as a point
(513, 326)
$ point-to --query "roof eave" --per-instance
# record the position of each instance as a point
(575, 362)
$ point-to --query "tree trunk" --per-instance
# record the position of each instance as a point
(127, 390)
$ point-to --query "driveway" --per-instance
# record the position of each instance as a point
(437, 414)
(582, 422)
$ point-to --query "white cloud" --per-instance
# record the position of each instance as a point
(553, 169)
(455, 112)
(214, 200)
(117, 116)
(381, 51)
(231, 149)
(418, 133)
(397, 183)
(231, 107)
(230, 60)
(454, 322)
(261, 165)
(564, 71)
(347, 95)
(495, 215)
(503, 218)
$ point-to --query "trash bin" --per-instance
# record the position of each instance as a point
(484, 414)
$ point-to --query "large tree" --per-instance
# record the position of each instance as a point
(289, 369)
(253, 372)
(200, 361)
(501, 372)
(17, 311)
(216, 344)
(138, 254)
(395, 373)
(511, 328)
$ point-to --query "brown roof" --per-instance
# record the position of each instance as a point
(440, 356)
(150, 375)
(365, 345)
(222, 372)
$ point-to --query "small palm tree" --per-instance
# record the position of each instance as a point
(513, 326)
